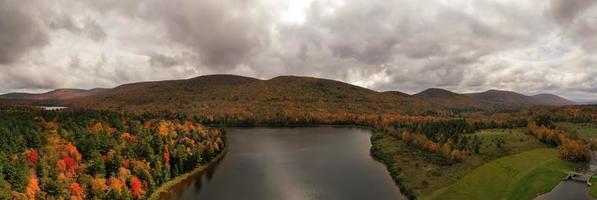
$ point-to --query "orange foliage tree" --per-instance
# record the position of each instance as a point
(570, 149)
(32, 187)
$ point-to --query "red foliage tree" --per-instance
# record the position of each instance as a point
(32, 157)
(136, 186)
(71, 164)
(166, 158)
(75, 190)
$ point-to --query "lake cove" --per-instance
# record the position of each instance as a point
(293, 163)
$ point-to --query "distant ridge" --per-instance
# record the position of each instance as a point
(54, 95)
(450, 99)
(509, 98)
(550, 99)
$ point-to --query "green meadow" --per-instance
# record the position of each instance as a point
(519, 176)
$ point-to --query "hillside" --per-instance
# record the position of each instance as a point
(503, 98)
(550, 99)
(508, 98)
(450, 99)
(244, 97)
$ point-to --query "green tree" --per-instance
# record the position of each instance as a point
(16, 175)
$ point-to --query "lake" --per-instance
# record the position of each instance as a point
(293, 163)
(53, 107)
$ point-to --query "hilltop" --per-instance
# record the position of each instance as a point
(450, 99)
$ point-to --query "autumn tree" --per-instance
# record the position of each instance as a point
(574, 151)
(136, 187)
(75, 191)
(32, 157)
(32, 187)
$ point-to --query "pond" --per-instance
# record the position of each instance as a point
(293, 163)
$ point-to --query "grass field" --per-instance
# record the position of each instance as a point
(520, 176)
(423, 173)
(516, 141)
(582, 130)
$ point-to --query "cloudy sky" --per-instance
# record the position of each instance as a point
(532, 46)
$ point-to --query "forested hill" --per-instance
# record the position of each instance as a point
(243, 97)
(451, 99)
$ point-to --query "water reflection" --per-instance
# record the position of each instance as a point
(293, 163)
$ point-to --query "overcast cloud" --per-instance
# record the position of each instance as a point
(532, 47)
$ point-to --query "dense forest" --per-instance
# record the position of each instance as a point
(84, 153)
(97, 155)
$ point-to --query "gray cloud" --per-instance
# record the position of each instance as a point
(160, 60)
(578, 21)
(88, 27)
(529, 46)
(19, 31)
(565, 11)
(222, 33)
(94, 30)
(28, 79)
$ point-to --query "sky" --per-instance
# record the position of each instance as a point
(531, 46)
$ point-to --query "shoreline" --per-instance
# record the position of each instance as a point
(165, 188)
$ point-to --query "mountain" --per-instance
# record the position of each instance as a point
(237, 96)
(450, 99)
(508, 98)
(503, 98)
(550, 99)
(55, 95)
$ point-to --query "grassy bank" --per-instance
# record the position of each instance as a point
(164, 188)
(593, 189)
(419, 173)
(520, 176)
(385, 149)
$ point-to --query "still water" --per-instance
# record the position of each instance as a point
(293, 163)
(573, 190)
